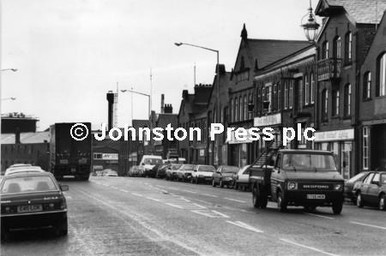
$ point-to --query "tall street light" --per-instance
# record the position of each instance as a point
(217, 112)
(9, 69)
(141, 93)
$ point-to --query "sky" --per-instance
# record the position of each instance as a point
(70, 53)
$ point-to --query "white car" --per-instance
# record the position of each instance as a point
(22, 169)
(242, 178)
(202, 173)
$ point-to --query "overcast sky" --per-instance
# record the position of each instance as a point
(69, 53)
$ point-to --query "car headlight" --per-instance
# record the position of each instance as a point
(338, 187)
(292, 185)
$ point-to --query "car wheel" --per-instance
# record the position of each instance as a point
(281, 203)
(359, 200)
(255, 197)
(196, 180)
(62, 228)
(236, 186)
(213, 183)
(382, 201)
(337, 207)
(221, 184)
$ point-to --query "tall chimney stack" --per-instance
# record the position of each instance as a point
(162, 103)
(110, 111)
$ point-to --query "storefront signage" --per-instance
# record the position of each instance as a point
(234, 140)
(109, 156)
(267, 120)
(336, 135)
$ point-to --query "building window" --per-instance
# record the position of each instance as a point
(237, 109)
(232, 111)
(348, 48)
(335, 103)
(250, 109)
(325, 50)
(285, 95)
(365, 148)
(367, 85)
(279, 103)
(381, 68)
(306, 91)
(290, 95)
(324, 105)
(241, 108)
(300, 95)
(347, 100)
(312, 88)
(268, 96)
(274, 97)
(337, 47)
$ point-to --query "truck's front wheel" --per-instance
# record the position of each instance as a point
(337, 207)
(255, 197)
(281, 203)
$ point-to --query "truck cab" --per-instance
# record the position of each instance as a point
(296, 177)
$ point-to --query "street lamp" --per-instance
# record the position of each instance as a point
(218, 112)
(9, 69)
(140, 93)
(10, 98)
(310, 26)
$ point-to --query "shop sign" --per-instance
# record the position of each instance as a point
(234, 140)
(336, 135)
(267, 120)
(109, 156)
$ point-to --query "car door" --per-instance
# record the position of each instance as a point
(365, 187)
(276, 176)
(373, 189)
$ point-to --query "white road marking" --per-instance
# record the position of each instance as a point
(154, 199)
(204, 213)
(245, 226)
(136, 194)
(200, 206)
(123, 190)
(368, 225)
(307, 247)
(235, 200)
(184, 199)
(321, 216)
(176, 206)
(188, 191)
(209, 195)
(221, 214)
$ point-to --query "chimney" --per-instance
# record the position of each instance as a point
(185, 94)
(110, 104)
(168, 109)
(162, 103)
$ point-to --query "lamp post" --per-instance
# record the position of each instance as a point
(218, 111)
(141, 93)
(310, 25)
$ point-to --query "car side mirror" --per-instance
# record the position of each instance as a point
(63, 187)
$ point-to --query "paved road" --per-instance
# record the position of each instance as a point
(139, 216)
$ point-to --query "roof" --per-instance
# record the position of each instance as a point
(26, 138)
(267, 51)
(165, 119)
(137, 123)
(362, 11)
(309, 151)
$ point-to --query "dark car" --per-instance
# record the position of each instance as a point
(372, 191)
(350, 186)
(32, 200)
(171, 171)
(224, 176)
(160, 170)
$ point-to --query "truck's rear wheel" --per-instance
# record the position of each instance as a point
(281, 203)
(255, 197)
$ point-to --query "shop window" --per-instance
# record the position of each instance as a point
(347, 100)
(381, 70)
(367, 85)
(348, 48)
(365, 148)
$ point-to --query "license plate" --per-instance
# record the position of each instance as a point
(316, 196)
(30, 208)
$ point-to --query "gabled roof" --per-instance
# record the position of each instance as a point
(26, 138)
(267, 51)
(165, 119)
(362, 11)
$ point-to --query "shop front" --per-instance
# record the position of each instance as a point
(341, 143)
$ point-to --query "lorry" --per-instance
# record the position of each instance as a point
(296, 177)
(69, 156)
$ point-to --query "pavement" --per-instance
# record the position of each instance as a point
(145, 216)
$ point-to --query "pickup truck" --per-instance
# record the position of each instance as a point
(294, 177)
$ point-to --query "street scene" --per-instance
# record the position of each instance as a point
(193, 127)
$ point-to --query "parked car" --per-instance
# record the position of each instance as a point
(372, 191)
(224, 176)
(171, 171)
(351, 185)
(22, 168)
(242, 178)
(161, 170)
(184, 173)
(110, 173)
(134, 171)
(202, 173)
(32, 200)
(147, 163)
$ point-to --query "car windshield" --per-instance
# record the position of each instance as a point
(188, 167)
(206, 168)
(28, 184)
(357, 177)
(230, 169)
(309, 162)
(175, 166)
(153, 161)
